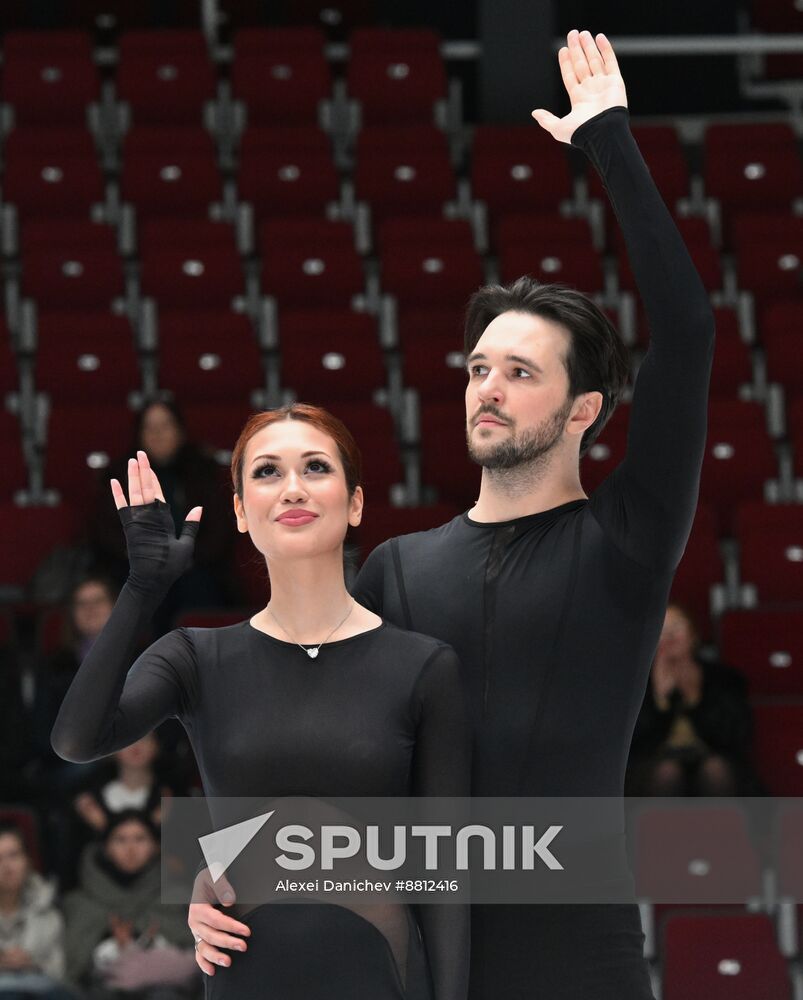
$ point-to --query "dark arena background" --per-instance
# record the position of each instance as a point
(208, 209)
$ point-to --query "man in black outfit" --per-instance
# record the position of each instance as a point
(553, 600)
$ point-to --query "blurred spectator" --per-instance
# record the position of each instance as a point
(87, 610)
(119, 936)
(189, 477)
(136, 785)
(693, 733)
(31, 926)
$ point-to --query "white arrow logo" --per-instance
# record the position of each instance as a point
(222, 847)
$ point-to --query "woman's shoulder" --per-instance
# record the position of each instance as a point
(424, 646)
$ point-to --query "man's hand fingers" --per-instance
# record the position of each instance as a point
(570, 80)
(591, 53)
(607, 53)
(579, 61)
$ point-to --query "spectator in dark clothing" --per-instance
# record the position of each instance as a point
(693, 733)
(119, 935)
(187, 475)
(70, 797)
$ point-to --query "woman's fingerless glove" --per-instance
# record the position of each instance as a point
(156, 557)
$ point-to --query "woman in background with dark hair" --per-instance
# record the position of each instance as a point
(312, 696)
(186, 471)
(693, 732)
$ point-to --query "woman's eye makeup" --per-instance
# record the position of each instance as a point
(315, 465)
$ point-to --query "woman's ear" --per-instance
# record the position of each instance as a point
(239, 513)
(355, 507)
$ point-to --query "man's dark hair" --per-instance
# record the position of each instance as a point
(597, 359)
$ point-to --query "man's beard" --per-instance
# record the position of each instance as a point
(521, 449)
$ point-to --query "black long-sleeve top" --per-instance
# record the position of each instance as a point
(377, 714)
(555, 616)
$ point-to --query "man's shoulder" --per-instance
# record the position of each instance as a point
(427, 540)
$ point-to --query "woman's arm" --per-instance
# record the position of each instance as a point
(442, 767)
(110, 703)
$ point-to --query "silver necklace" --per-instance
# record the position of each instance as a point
(313, 651)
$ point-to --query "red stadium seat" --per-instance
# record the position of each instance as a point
(515, 168)
(209, 277)
(731, 957)
(795, 419)
(85, 356)
(766, 646)
(281, 74)
(751, 167)
(436, 274)
(690, 855)
(579, 267)
(778, 17)
(770, 270)
(43, 528)
(607, 451)
(445, 464)
(411, 182)
(292, 182)
(739, 457)
(432, 353)
(301, 273)
(81, 441)
(211, 365)
(311, 235)
(49, 77)
(383, 522)
(9, 379)
(733, 366)
(165, 75)
(771, 558)
(700, 568)
(72, 279)
(285, 139)
(217, 424)
(36, 140)
(379, 140)
(172, 184)
(67, 234)
(396, 75)
(373, 430)
(782, 336)
(400, 232)
(187, 235)
(540, 233)
(331, 355)
(778, 746)
(49, 184)
(15, 472)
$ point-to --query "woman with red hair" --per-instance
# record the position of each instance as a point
(312, 696)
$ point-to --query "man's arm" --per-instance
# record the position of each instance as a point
(647, 504)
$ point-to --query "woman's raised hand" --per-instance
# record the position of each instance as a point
(156, 557)
(593, 82)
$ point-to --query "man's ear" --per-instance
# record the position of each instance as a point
(586, 413)
(355, 507)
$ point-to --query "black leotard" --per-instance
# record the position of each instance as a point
(381, 713)
(555, 616)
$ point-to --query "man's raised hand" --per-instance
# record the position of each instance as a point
(593, 82)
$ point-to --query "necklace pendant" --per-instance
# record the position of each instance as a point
(312, 653)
